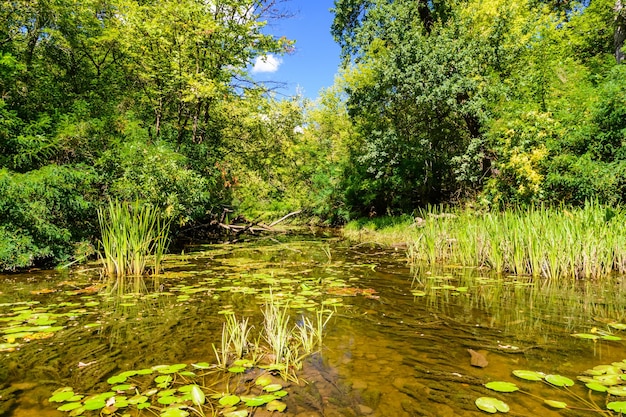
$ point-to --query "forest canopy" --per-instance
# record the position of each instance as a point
(492, 104)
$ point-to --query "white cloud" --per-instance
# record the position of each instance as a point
(267, 63)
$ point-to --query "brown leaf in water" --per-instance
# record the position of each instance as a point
(477, 359)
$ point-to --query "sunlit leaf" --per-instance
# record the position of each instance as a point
(69, 406)
(197, 395)
(529, 375)
(555, 404)
(595, 386)
(618, 406)
(229, 400)
(491, 405)
(559, 381)
(618, 391)
(501, 386)
(276, 405)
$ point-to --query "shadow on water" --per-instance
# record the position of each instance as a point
(397, 345)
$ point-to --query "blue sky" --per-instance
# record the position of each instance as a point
(315, 61)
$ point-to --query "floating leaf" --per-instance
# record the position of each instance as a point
(555, 404)
(529, 375)
(618, 391)
(237, 369)
(174, 412)
(610, 337)
(59, 397)
(69, 406)
(618, 326)
(559, 381)
(596, 386)
(491, 405)
(276, 405)
(619, 406)
(95, 404)
(263, 380)
(237, 413)
(501, 386)
(229, 400)
(197, 395)
(201, 365)
(608, 379)
(272, 387)
(117, 379)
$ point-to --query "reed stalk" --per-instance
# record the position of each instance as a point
(133, 235)
(556, 243)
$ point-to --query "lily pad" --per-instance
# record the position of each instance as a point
(229, 400)
(618, 391)
(555, 404)
(559, 380)
(491, 405)
(501, 386)
(69, 406)
(618, 406)
(276, 405)
(263, 380)
(237, 413)
(174, 412)
(272, 387)
(528, 375)
(595, 386)
(117, 379)
(201, 365)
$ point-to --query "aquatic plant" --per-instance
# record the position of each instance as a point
(541, 241)
(607, 382)
(134, 238)
(277, 331)
(172, 391)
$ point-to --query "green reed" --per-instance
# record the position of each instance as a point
(549, 242)
(134, 238)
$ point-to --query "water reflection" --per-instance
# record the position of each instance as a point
(402, 352)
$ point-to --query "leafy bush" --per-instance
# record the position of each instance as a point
(43, 213)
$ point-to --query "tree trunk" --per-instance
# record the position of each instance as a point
(620, 31)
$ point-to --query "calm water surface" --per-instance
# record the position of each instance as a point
(396, 345)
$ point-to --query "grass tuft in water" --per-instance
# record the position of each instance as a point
(134, 239)
(556, 243)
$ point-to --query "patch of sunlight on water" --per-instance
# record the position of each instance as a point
(397, 345)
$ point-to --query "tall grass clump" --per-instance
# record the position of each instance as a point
(584, 242)
(134, 238)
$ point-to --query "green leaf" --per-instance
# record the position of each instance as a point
(555, 404)
(618, 406)
(595, 386)
(237, 413)
(491, 405)
(276, 405)
(263, 380)
(618, 391)
(272, 387)
(229, 400)
(59, 397)
(559, 381)
(529, 375)
(586, 336)
(117, 379)
(197, 395)
(69, 406)
(501, 386)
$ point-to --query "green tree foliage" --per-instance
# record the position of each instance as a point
(514, 102)
(120, 100)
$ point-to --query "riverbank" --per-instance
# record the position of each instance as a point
(560, 243)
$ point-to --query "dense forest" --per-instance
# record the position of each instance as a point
(485, 103)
